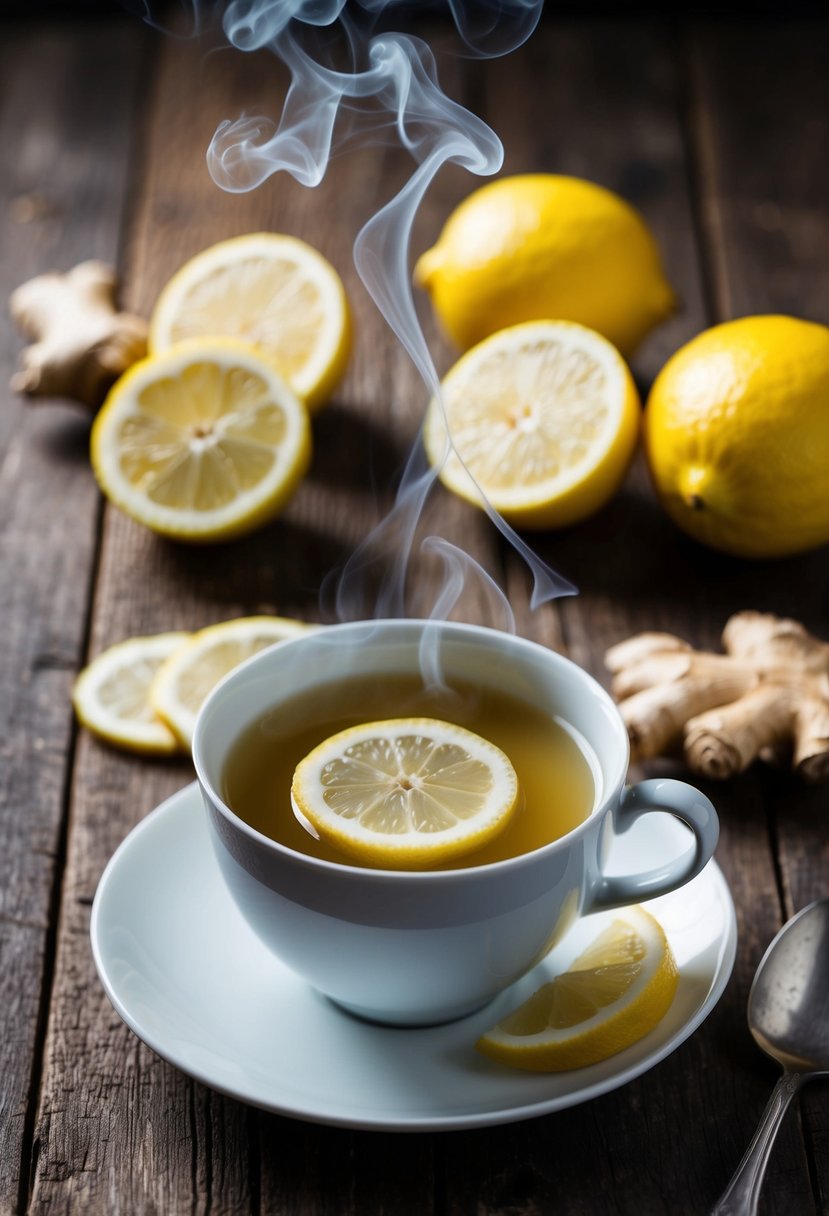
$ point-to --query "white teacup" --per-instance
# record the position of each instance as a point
(414, 948)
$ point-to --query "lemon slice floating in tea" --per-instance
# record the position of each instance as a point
(614, 994)
(111, 695)
(406, 793)
(544, 419)
(271, 290)
(182, 684)
(203, 443)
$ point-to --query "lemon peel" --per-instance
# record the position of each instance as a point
(539, 245)
(614, 994)
(737, 436)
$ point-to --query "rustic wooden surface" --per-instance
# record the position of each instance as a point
(718, 134)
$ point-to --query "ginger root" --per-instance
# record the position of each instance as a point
(766, 697)
(81, 344)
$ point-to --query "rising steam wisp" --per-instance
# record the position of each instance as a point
(390, 83)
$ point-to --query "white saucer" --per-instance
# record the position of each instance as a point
(186, 973)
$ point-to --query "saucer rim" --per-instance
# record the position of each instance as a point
(426, 1122)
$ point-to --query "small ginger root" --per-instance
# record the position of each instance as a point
(766, 697)
(81, 344)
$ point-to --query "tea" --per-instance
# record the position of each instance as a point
(555, 767)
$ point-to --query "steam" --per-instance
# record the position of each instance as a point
(390, 85)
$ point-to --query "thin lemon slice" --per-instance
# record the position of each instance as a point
(544, 417)
(405, 793)
(273, 291)
(202, 443)
(183, 683)
(614, 994)
(111, 695)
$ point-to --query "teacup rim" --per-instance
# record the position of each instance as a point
(376, 875)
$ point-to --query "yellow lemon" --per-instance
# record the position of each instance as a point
(271, 290)
(406, 793)
(182, 684)
(202, 443)
(543, 418)
(614, 994)
(541, 245)
(737, 436)
(112, 694)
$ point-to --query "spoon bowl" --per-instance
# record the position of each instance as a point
(788, 1015)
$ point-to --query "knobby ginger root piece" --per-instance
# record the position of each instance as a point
(81, 344)
(767, 697)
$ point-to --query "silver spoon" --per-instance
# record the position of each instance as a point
(788, 1014)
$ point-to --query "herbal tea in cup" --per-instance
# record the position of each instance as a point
(419, 946)
(556, 771)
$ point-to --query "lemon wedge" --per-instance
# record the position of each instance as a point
(614, 994)
(182, 684)
(405, 793)
(111, 694)
(544, 419)
(203, 443)
(271, 290)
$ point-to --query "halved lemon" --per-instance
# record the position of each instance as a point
(614, 994)
(182, 684)
(111, 694)
(543, 419)
(405, 793)
(203, 443)
(271, 290)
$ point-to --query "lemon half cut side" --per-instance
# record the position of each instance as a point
(614, 994)
(203, 443)
(543, 419)
(271, 290)
(405, 793)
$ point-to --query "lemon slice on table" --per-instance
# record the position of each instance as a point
(274, 291)
(614, 994)
(182, 684)
(543, 416)
(405, 793)
(203, 443)
(111, 695)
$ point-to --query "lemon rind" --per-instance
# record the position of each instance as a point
(318, 378)
(250, 508)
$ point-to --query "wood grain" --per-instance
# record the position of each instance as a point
(714, 137)
(769, 242)
(63, 172)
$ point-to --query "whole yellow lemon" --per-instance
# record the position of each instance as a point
(545, 247)
(737, 436)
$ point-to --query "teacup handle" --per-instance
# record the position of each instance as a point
(674, 798)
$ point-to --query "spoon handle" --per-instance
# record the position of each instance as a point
(741, 1196)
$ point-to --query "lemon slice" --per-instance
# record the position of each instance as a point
(617, 991)
(270, 290)
(183, 683)
(544, 416)
(405, 793)
(111, 695)
(202, 443)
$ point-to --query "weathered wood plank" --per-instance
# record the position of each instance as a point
(146, 584)
(63, 164)
(764, 203)
(612, 111)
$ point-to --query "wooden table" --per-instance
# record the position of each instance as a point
(718, 134)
